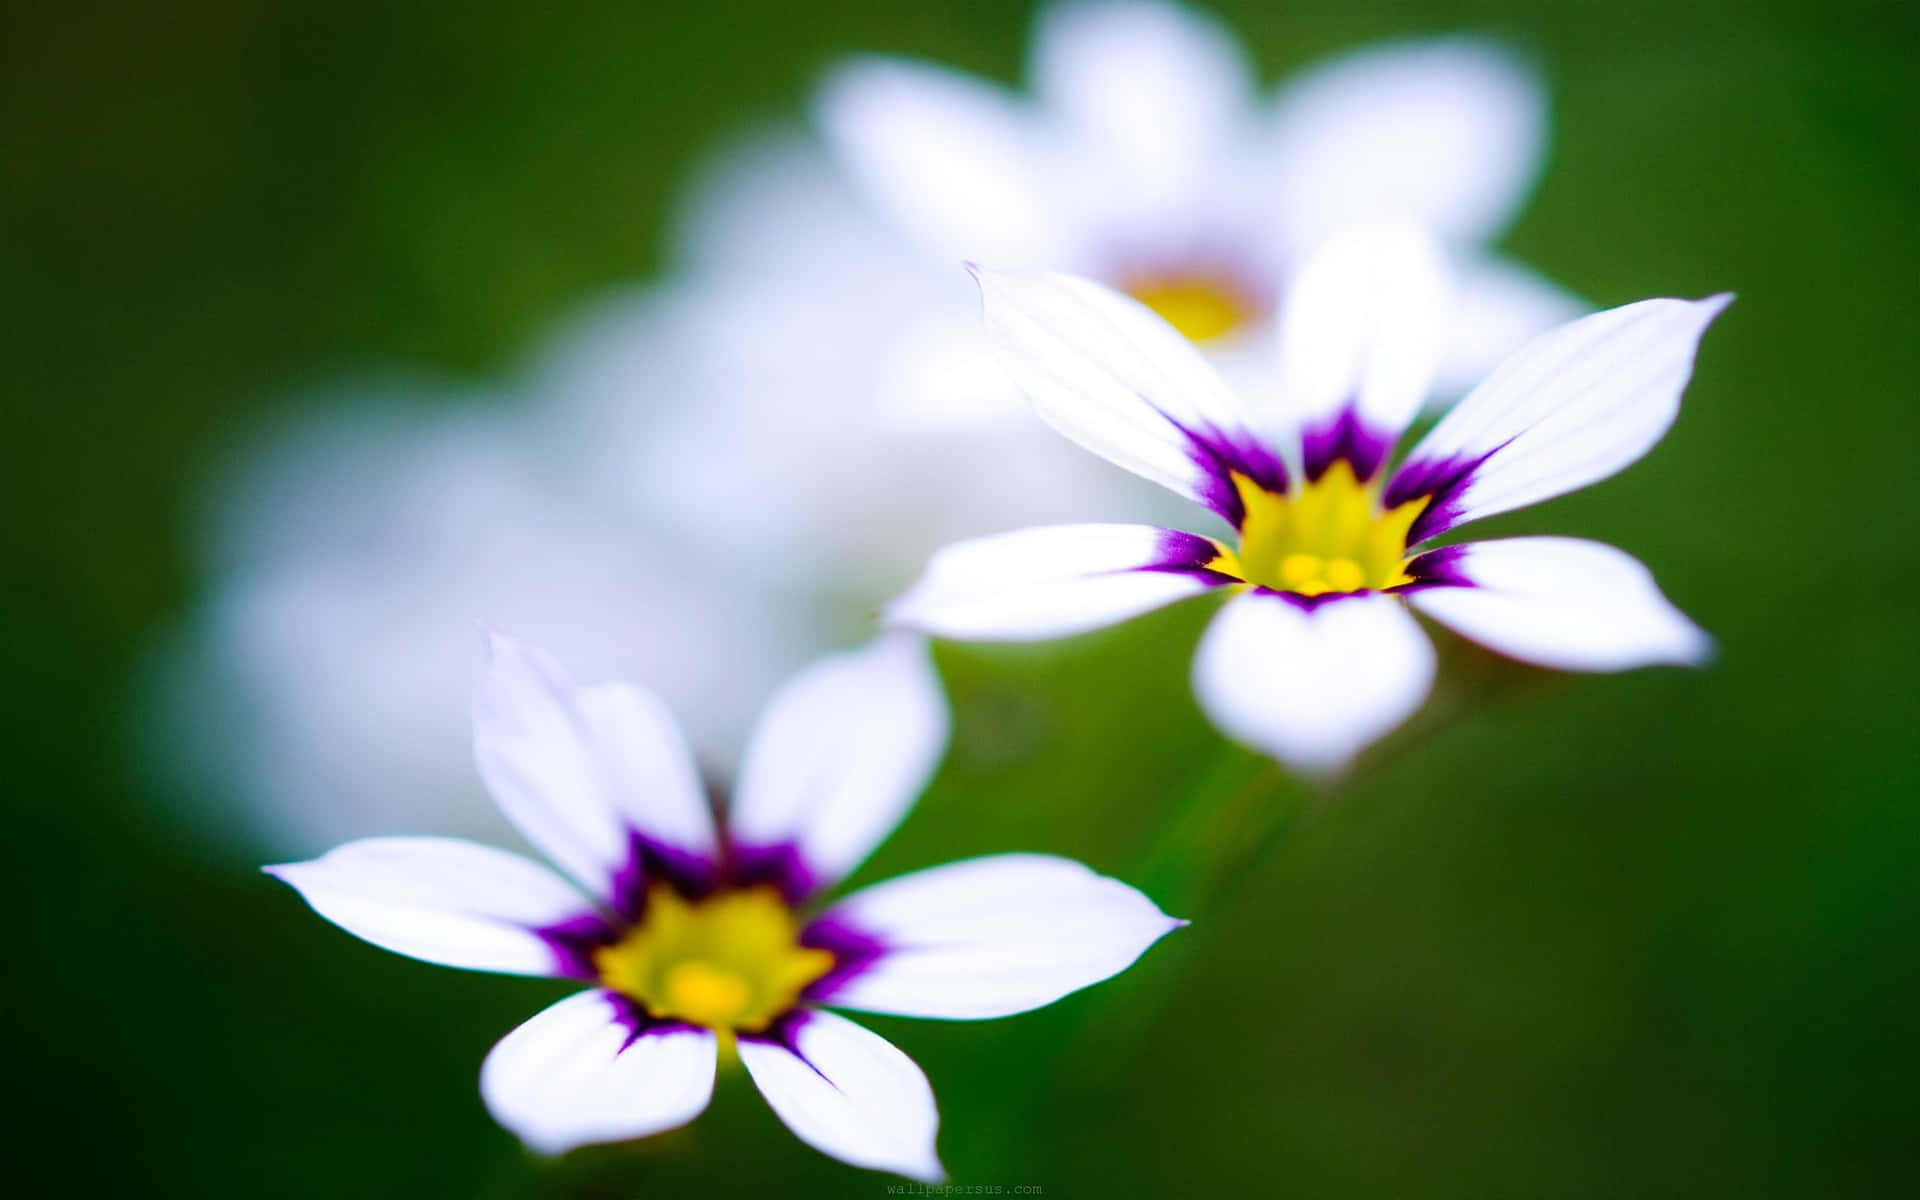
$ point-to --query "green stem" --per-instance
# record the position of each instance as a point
(1202, 838)
(1289, 803)
(1212, 845)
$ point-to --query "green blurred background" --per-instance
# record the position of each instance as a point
(1641, 935)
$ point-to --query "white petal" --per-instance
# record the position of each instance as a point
(446, 901)
(1361, 335)
(322, 691)
(772, 201)
(1570, 408)
(577, 770)
(586, 1071)
(1052, 581)
(956, 162)
(1447, 133)
(534, 751)
(1312, 688)
(840, 755)
(993, 936)
(649, 771)
(1112, 375)
(1158, 89)
(1498, 306)
(850, 1093)
(1563, 602)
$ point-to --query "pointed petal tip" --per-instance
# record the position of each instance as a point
(1315, 768)
(1168, 921)
(559, 1146)
(990, 277)
(1700, 649)
(932, 1172)
(906, 643)
(293, 874)
(503, 645)
(496, 642)
(897, 615)
(543, 1147)
(983, 281)
(989, 281)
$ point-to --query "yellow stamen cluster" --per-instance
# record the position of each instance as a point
(1201, 306)
(1330, 535)
(730, 962)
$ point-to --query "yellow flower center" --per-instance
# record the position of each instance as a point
(730, 962)
(1201, 306)
(1330, 535)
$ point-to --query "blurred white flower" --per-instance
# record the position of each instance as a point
(757, 407)
(1147, 159)
(319, 691)
(712, 478)
(832, 346)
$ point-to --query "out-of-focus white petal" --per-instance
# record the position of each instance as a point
(1359, 340)
(993, 936)
(957, 162)
(839, 756)
(1563, 602)
(1498, 306)
(320, 691)
(1570, 408)
(850, 1093)
(1312, 687)
(853, 433)
(1157, 90)
(947, 382)
(776, 202)
(589, 1069)
(1445, 133)
(1112, 375)
(443, 900)
(1053, 581)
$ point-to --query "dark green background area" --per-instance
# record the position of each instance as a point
(1655, 934)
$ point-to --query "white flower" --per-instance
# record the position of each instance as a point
(315, 694)
(1317, 654)
(837, 412)
(696, 938)
(1147, 159)
(745, 413)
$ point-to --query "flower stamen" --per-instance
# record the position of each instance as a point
(1329, 535)
(1202, 305)
(705, 994)
(732, 961)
